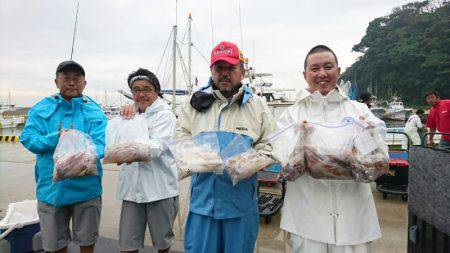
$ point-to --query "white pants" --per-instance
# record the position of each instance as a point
(303, 245)
(413, 135)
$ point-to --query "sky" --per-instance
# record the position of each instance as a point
(116, 37)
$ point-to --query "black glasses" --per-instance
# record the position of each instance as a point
(144, 91)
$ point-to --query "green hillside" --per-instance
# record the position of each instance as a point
(406, 52)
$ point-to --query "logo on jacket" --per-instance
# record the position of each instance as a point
(242, 128)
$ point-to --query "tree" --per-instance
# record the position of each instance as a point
(407, 50)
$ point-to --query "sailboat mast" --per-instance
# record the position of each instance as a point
(74, 30)
(189, 55)
(174, 73)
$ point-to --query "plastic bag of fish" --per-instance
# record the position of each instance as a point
(75, 156)
(197, 154)
(288, 145)
(241, 161)
(127, 140)
(350, 150)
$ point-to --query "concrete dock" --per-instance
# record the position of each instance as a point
(17, 184)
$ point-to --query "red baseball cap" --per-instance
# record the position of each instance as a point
(226, 51)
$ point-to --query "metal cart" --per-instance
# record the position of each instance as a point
(396, 181)
(271, 191)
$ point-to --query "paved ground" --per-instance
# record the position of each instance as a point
(17, 184)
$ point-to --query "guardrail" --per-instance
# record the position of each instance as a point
(9, 138)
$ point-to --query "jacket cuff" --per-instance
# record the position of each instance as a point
(52, 139)
(156, 148)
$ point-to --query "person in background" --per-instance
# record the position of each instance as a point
(365, 98)
(413, 127)
(222, 217)
(149, 190)
(438, 119)
(328, 216)
(75, 201)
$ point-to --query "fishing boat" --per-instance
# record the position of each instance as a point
(396, 110)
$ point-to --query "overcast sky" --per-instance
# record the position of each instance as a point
(116, 37)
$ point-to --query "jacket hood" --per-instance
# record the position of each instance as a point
(157, 106)
(46, 107)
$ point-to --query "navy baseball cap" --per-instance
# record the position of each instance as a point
(70, 66)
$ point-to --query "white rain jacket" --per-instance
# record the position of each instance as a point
(340, 212)
(155, 180)
(412, 127)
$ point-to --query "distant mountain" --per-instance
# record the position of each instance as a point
(406, 52)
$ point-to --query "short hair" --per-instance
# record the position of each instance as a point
(365, 96)
(318, 49)
(152, 79)
(433, 92)
(420, 111)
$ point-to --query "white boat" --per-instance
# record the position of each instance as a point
(111, 110)
(396, 110)
(9, 122)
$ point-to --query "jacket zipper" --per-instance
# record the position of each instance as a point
(334, 209)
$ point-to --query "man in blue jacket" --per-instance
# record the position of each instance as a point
(223, 218)
(77, 199)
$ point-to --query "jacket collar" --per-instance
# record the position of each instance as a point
(54, 101)
(334, 95)
(158, 105)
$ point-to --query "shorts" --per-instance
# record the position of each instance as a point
(158, 215)
(55, 222)
(303, 245)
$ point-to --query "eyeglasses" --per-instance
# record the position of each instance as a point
(144, 91)
(75, 80)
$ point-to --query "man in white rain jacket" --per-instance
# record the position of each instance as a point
(326, 216)
(149, 190)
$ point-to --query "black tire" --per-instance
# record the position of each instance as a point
(384, 195)
(267, 219)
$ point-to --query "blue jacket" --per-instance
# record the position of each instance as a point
(40, 136)
(246, 115)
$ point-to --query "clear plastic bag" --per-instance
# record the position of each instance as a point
(241, 161)
(328, 149)
(197, 154)
(127, 140)
(74, 156)
(345, 151)
(370, 156)
(288, 152)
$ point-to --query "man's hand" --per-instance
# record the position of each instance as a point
(128, 111)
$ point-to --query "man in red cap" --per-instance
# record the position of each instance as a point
(223, 217)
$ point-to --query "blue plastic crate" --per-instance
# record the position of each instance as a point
(19, 225)
(21, 238)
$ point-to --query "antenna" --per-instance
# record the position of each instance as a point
(240, 27)
(176, 12)
(212, 26)
(74, 30)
